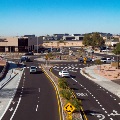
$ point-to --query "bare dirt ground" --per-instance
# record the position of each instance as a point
(2, 62)
(108, 72)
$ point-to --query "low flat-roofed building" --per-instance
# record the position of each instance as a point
(20, 44)
(73, 37)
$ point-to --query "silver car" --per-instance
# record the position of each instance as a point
(33, 69)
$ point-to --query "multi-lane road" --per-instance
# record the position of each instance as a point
(35, 98)
(98, 103)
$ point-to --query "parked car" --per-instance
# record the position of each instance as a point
(104, 49)
(106, 60)
(64, 73)
(33, 69)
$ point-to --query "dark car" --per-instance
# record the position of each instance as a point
(24, 59)
(87, 59)
(29, 53)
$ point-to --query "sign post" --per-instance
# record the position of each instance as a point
(85, 60)
(69, 108)
(46, 58)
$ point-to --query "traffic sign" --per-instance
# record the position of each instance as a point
(46, 57)
(69, 108)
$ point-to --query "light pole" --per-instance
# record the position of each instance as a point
(37, 44)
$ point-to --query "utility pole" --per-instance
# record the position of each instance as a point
(37, 44)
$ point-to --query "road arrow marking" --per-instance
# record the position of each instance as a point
(11, 109)
(13, 102)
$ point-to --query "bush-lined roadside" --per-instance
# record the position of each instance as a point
(65, 93)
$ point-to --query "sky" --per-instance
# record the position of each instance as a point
(42, 17)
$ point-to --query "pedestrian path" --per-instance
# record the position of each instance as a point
(8, 87)
(100, 80)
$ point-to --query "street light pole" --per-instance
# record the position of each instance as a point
(37, 44)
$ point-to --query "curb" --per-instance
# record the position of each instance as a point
(81, 71)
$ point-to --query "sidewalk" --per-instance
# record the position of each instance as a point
(111, 86)
(8, 87)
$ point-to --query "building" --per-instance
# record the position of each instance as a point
(78, 37)
(20, 44)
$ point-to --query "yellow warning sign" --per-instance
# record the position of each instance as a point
(69, 108)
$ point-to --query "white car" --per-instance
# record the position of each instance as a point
(33, 69)
(64, 73)
(106, 60)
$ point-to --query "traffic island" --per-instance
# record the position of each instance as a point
(62, 93)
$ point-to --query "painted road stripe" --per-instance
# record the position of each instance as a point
(15, 109)
(37, 108)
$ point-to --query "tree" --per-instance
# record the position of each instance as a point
(116, 51)
(97, 40)
(86, 40)
(93, 40)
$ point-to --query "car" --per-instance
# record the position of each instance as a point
(25, 59)
(64, 73)
(33, 69)
(88, 59)
(29, 53)
(107, 60)
(104, 49)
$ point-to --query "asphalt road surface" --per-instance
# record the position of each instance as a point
(1, 68)
(35, 98)
(98, 103)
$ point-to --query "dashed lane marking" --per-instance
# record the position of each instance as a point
(36, 108)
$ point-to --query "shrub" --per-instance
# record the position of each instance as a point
(76, 103)
(66, 93)
(62, 83)
(98, 62)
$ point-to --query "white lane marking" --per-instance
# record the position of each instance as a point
(15, 109)
(37, 108)
(114, 113)
(39, 89)
(106, 112)
(73, 79)
(6, 108)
